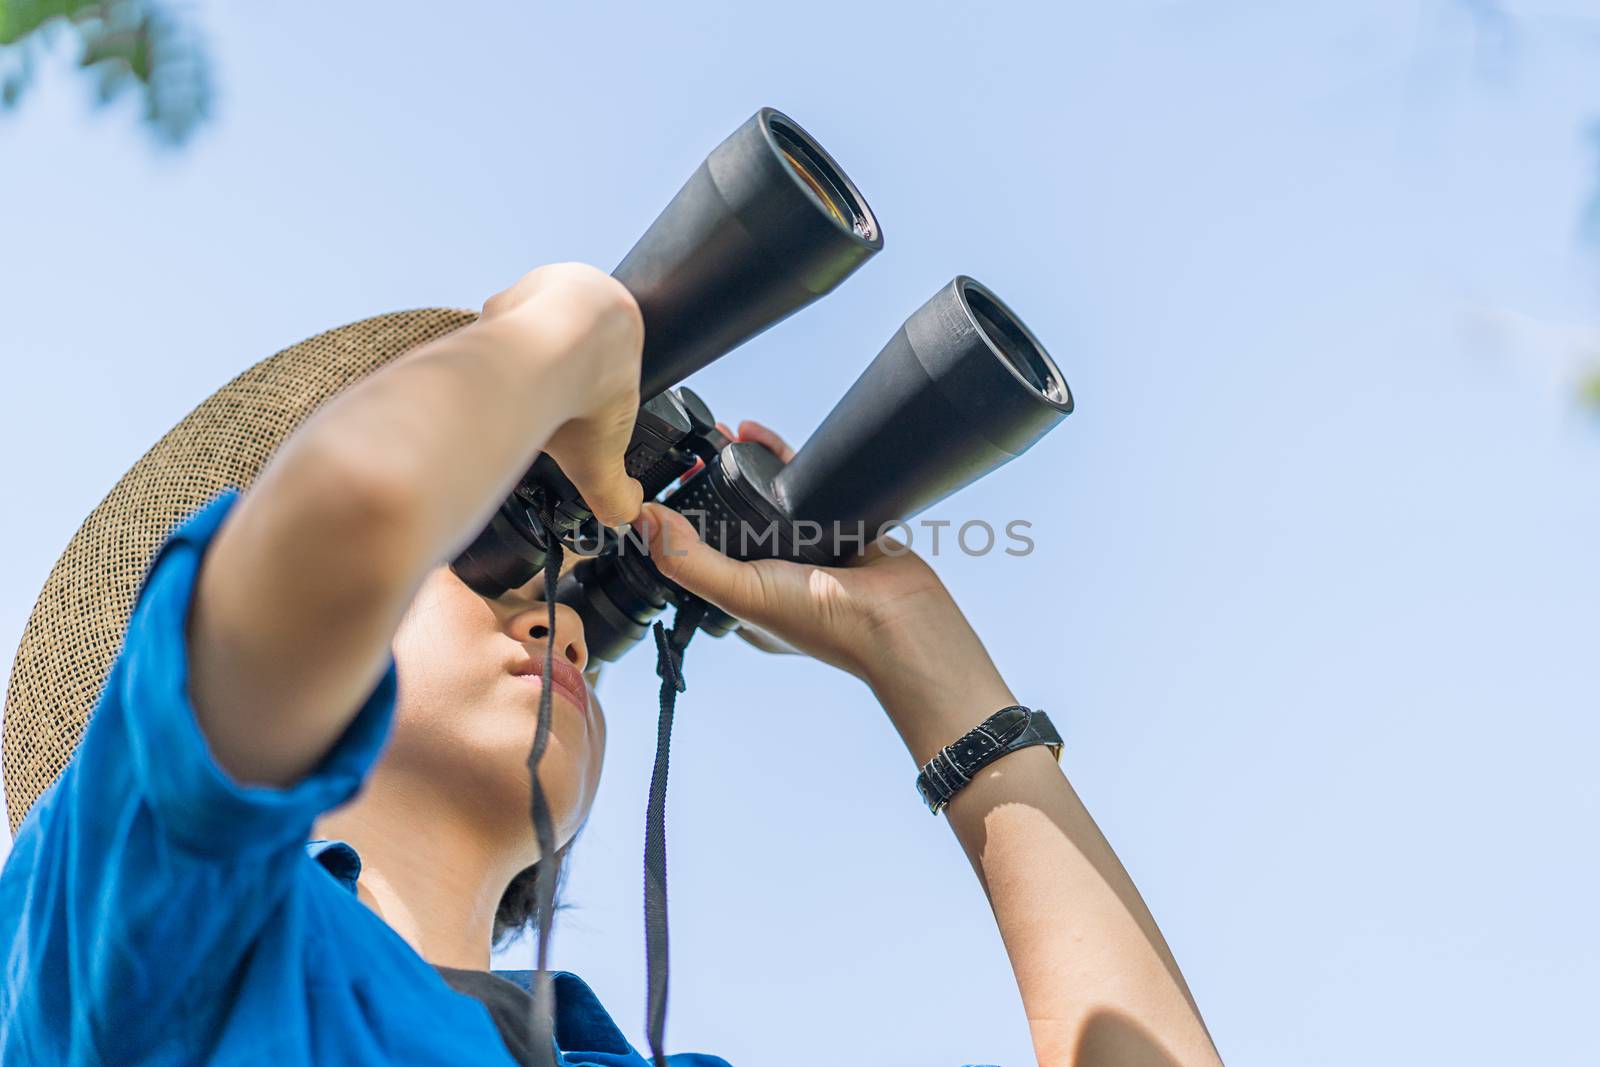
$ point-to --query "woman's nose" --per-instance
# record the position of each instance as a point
(532, 627)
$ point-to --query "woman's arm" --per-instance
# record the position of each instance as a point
(1098, 982)
(256, 686)
(308, 579)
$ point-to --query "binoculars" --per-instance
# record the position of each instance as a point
(767, 224)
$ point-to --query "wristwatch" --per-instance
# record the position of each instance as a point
(1007, 730)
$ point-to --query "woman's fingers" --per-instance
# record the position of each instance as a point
(591, 455)
(680, 555)
(593, 460)
(613, 497)
(750, 430)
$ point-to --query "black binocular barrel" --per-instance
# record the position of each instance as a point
(962, 388)
(766, 224)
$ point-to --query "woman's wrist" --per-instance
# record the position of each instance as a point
(936, 683)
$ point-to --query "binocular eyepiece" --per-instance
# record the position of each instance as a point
(766, 225)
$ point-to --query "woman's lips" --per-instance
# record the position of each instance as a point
(565, 679)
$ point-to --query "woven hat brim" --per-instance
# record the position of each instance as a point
(77, 625)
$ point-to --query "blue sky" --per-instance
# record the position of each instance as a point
(1315, 593)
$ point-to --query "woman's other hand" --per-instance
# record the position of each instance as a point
(884, 614)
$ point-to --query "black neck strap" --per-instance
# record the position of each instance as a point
(546, 874)
(670, 646)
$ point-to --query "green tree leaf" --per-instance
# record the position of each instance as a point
(123, 45)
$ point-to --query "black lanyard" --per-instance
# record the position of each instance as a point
(670, 646)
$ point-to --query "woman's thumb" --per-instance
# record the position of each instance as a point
(681, 556)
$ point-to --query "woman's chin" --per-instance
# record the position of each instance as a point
(489, 759)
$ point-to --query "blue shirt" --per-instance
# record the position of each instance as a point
(160, 913)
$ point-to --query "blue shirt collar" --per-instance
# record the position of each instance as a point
(339, 859)
(582, 1022)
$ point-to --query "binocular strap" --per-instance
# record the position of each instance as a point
(545, 875)
(670, 647)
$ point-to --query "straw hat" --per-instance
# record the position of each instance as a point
(77, 625)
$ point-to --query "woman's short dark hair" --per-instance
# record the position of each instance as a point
(519, 904)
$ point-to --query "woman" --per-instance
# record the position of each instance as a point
(302, 668)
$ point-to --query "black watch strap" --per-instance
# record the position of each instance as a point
(1007, 730)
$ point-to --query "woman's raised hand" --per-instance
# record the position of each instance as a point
(594, 322)
(883, 612)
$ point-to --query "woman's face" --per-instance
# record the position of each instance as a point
(470, 680)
